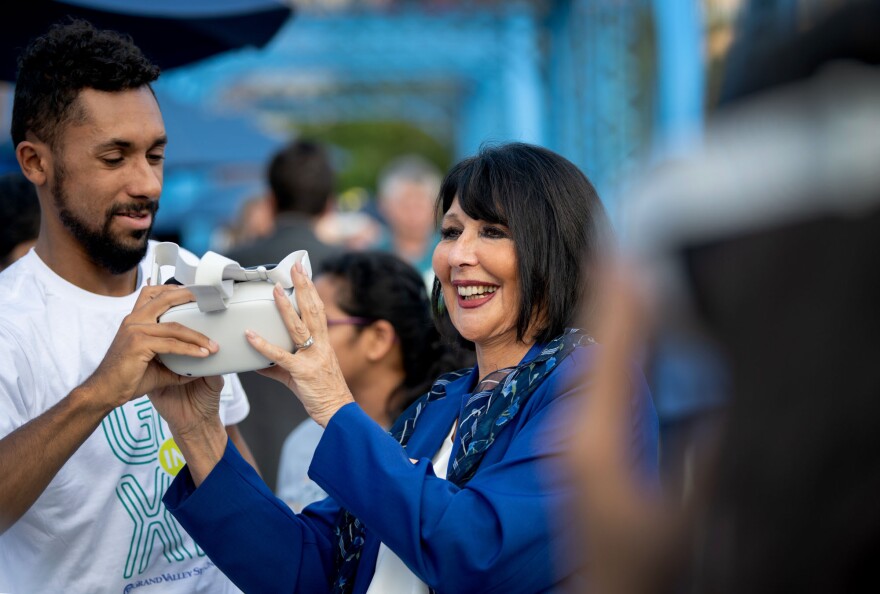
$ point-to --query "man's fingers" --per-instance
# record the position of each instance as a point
(172, 331)
(165, 378)
(164, 301)
(154, 301)
(173, 346)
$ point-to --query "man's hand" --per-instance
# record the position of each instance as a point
(31, 455)
(130, 368)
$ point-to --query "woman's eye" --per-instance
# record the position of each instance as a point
(495, 233)
(156, 158)
(449, 233)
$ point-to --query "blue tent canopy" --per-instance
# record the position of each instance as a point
(198, 138)
(213, 163)
(170, 32)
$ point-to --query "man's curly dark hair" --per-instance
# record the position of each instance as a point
(55, 67)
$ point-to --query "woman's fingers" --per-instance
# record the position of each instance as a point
(277, 373)
(214, 382)
(310, 321)
(311, 307)
(272, 352)
(297, 329)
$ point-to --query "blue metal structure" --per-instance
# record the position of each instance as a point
(604, 83)
(610, 84)
(466, 77)
(626, 85)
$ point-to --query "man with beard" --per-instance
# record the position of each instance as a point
(84, 456)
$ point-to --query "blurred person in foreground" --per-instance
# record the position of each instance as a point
(84, 456)
(764, 249)
(20, 216)
(301, 183)
(462, 494)
(380, 327)
(406, 192)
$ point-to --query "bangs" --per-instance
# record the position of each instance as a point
(553, 214)
(472, 181)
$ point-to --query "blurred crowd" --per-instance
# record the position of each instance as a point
(743, 285)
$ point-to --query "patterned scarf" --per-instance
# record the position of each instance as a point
(485, 415)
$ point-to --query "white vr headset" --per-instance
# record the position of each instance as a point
(229, 300)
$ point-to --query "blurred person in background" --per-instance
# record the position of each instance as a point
(462, 494)
(301, 182)
(762, 249)
(380, 327)
(406, 191)
(20, 216)
(255, 220)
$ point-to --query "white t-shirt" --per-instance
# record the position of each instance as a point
(100, 525)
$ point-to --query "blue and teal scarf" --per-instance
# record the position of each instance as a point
(490, 416)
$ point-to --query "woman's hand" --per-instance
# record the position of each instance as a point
(190, 407)
(312, 373)
(192, 411)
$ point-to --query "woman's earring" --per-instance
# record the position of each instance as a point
(437, 292)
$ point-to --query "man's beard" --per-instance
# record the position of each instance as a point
(101, 246)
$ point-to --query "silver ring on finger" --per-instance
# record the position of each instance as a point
(301, 347)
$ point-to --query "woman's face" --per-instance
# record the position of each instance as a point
(475, 262)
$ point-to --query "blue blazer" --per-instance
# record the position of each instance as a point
(502, 532)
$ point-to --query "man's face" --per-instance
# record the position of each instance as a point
(107, 175)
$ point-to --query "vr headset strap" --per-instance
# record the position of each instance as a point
(212, 278)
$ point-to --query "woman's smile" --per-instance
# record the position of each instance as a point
(475, 262)
(473, 294)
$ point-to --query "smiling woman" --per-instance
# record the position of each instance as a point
(460, 495)
(521, 231)
(476, 261)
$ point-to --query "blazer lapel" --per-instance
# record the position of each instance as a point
(437, 418)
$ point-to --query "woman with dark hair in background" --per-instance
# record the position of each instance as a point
(380, 327)
(462, 494)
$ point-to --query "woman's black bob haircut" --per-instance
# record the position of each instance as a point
(557, 224)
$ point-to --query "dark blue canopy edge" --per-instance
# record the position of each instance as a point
(170, 33)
